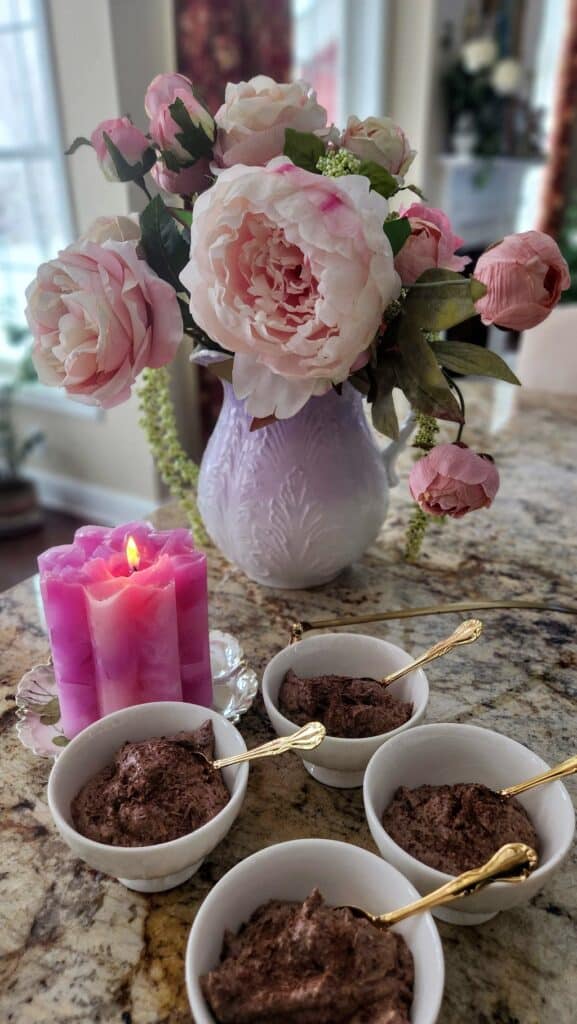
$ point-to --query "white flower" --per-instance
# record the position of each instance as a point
(381, 140)
(506, 76)
(479, 54)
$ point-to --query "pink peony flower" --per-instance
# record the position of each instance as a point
(161, 93)
(291, 271)
(524, 276)
(99, 315)
(252, 120)
(185, 182)
(453, 480)
(131, 143)
(430, 244)
(381, 140)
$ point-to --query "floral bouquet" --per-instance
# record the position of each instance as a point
(284, 265)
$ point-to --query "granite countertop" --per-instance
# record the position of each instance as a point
(76, 946)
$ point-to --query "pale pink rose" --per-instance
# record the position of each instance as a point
(161, 93)
(524, 276)
(430, 244)
(130, 142)
(99, 316)
(253, 119)
(112, 229)
(291, 271)
(185, 182)
(453, 480)
(380, 140)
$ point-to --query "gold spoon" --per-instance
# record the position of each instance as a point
(306, 738)
(514, 862)
(568, 767)
(466, 633)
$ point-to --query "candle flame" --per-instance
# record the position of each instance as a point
(132, 553)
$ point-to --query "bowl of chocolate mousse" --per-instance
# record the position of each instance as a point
(433, 804)
(270, 942)
(135, 796)
(334, 678)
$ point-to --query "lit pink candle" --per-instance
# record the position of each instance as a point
(127, 615)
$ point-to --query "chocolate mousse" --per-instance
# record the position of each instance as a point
(155, 790)
(311, 964)
(346, 706)
(456, 828)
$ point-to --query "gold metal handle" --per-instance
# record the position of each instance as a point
(568, 767)
(466, 633)
(512, 863)
(306, 738)
(474, 604)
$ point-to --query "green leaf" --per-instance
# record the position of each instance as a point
(397, 231)
(79, 141)
(304, 149)
(126, 171)
(462, 357)
(406, 353)
(171, 161)
(441, 299)
(419, 375)
(384, 415)
(192, 137)
(165, 249)
(382, 181)
(182, 216)
(478, 289)
(167, 252)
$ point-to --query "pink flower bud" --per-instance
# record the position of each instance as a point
(162, 92)
(130, 142)
(185, 182)
(453, 480)
(430, 244)
(524, 276)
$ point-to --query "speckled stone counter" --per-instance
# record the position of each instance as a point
(77, 947)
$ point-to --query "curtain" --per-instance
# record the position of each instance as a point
(220, 41)
(564, 135)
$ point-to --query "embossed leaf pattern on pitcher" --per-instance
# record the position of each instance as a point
(297, 501)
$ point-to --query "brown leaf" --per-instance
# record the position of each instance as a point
(261, 421)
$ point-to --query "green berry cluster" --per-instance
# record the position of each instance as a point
(427, 430)
(425, 439)
(338, 163)
(176, 469)
(415, 533)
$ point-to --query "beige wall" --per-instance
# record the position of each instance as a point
(412, 100)
(106, 52)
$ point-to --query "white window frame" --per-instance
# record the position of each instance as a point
(36, 395)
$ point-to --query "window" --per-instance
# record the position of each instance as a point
(340, 47)
(35, 216)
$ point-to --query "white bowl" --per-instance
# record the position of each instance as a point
(338, 761)
(345, 874)
(444, 754)
(164, 865)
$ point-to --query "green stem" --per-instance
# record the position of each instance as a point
(142, 184)
(455, 387)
